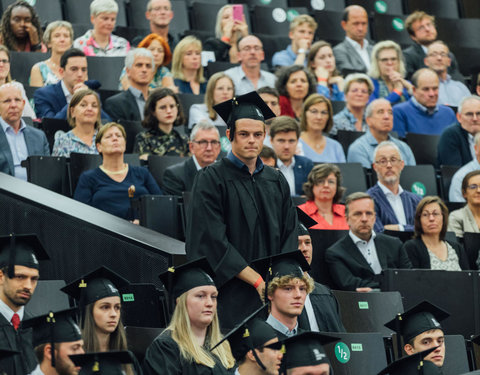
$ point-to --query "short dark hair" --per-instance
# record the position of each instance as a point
(268, 90)
(467, 177)
(418, 230)
(72, 52)
(284, 74)
(268, 153)
(356, 197)
(150, 120)
(284, 124)
(321, 171)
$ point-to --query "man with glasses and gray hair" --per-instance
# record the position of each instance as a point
(395, 207)
(205, 147)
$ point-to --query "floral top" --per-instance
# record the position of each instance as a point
(66, 143)
(156, 142)
(345, 120)
(117, 46)
(161, 72)
(48, 76)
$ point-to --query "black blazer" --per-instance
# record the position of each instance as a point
(418, 254)
(179, 177)
(123, 106)
(350, 270)
(453, 147)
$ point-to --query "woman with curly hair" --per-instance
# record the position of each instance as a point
(21, 30)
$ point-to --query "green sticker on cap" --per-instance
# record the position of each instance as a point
(342, 352)
(381, 6)
(266, 2)
(32, 2)
(291, 14)
(225, 144)
(398, 24)
(363, 305)
(128, 297)
(357, 347)
(419, 188)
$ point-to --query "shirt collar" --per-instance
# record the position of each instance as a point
(291, 165)
(357, 45)
(6, 126)
(356, 239)
(387, 191)
(279, 326)
(423, 108)
(136, 93)
(241, 165)
(197, 165)
(7, 312)
(65, 90)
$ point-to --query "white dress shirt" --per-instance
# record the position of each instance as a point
(288, 173)
(396, 203)
(362, 51)
(368, 250)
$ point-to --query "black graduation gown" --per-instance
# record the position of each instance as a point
(21, 340)
(163, 358)
(326, 310)
(235, 218)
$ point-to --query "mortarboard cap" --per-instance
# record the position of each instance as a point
(306, 349)
(251, 333)
(104, 363)
(21, 250)
(292, 263)
(304, 219)
(249, 106)
(421, 318)
(302, 230)
(413, 365)
(178, 280)
(95, 285)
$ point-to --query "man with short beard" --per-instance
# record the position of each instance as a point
(18, 279)
(394, 207)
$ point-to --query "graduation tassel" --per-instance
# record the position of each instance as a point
(399, 340)
(51, 321)
(11, 257)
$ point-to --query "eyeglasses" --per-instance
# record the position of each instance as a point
(388, 59)
(4, 61)
(426, 214)
(250, 48)
(384, 162)
(316, 112)
(471, 115)
(204, 143)
(473, 187)
(437, 54)
(330, 182)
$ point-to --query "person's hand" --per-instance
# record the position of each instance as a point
(261, 291)
(392, 227)
(241, 26)
(364, 290)
(32, 34)
(304, 44)
(136, 222)
(228, 29)
(79, 86)
(322, 73)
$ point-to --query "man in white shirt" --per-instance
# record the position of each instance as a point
(353, 54)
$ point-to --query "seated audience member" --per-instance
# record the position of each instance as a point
(52, 101)
(220, 88)
(450, 92)
(429, 249)
(58, 38)
(414, 364)
(227, 34)
(387, 71)
(268, 156)
(187, 69)
(324, 190)
(353, 54)
(302, 31)
(84, 118)
(162, 112)
(466, 219)
(21, 30)
(186, 345)
(66, 337)
(205, 147)
(248, 76)
(394, 207)
(455, 146)
(358, 88)
(17, 140)
(107, 187)
(129, 104)
(5, 77)
(321, 63)
(271, 98)
(284, 133)
(422, 114)
(316, 122)
(161, 57)
(294, 85)
(321, 312)
(455, 192)
(422, 30)
(379, 117)
(356, 261)
(100, 41)
(421, 330)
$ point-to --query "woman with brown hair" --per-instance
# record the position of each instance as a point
(429, 249)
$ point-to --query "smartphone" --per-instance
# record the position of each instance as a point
(237, 12)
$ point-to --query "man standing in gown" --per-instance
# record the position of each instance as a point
(240, 210)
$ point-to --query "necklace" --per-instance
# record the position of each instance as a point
(121, 171)
(52, 63)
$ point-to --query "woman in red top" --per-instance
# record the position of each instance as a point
(323, 190)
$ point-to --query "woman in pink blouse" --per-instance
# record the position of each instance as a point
(323, 190)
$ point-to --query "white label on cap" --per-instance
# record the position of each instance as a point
(318, 4)
(318, 355)
(279, 15)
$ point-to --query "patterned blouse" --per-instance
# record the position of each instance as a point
(48, 76)
(66, 143)
(156, 142)
(450, 264)
(117, 46)
(157, 79)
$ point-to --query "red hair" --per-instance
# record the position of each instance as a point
(145, 43)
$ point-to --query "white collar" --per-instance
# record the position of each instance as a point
(387, 191)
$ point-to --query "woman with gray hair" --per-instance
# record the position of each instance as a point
(387, 71)
(58, 37)
(100, 41)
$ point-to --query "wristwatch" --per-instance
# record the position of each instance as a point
(302, 50)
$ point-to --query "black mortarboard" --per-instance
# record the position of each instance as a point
(306, 220)
(420, 318)
(21, 250)
(292, 263)
(475, 339)
(95, 285)
(413, 365)
(306, 349)
(104, 363)
(249, 106)
(302, 230)
(250, 334)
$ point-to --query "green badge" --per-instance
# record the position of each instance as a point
(32, 2)
(380, 6)
(128, 297)
(397, 24)
(225, 144)
(279, 15)
(363, 305)
(266, 2)
(342, 352)
(357, 347)
(419, 188)
(291, 14)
